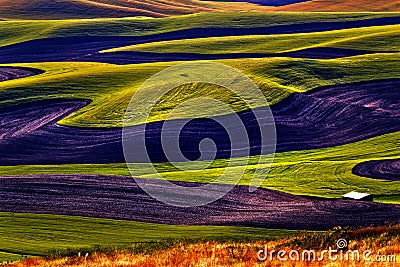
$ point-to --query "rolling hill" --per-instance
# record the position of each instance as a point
(48, 9)
(70, 68)
(343, 5)
(62, 9)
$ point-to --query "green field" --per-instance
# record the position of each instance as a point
(12, 32)
(379, 38)
(111, 87)
(323, 172)
(36, 235)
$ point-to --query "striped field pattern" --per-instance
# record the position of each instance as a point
(69, 69)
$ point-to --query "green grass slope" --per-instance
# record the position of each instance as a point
(23, 30)
(111, 87)
(321, 172)
(34, 234)
(379, 38)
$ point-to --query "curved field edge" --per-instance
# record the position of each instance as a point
(377, 38)
(322, 172)
(111, 87)
(12, 73)
(379, 169)
(36, 234)
(13, 32)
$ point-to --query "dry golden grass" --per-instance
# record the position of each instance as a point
(380, 241)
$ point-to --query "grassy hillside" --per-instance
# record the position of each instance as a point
(293, 172)
(103, 84)
(343, 5)
(380, 38)
(18, 31)
(326, 173)
(31, 234)
(66, 9)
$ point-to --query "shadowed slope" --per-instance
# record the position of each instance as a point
(322, 118)
(149, 57)
(120, 198)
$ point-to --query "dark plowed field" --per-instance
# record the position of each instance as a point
(11, 73)
(121, 58)
(322, 118)
(121, 198)
(379, 169)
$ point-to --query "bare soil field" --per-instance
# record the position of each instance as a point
(118, 197)
(379, 169)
